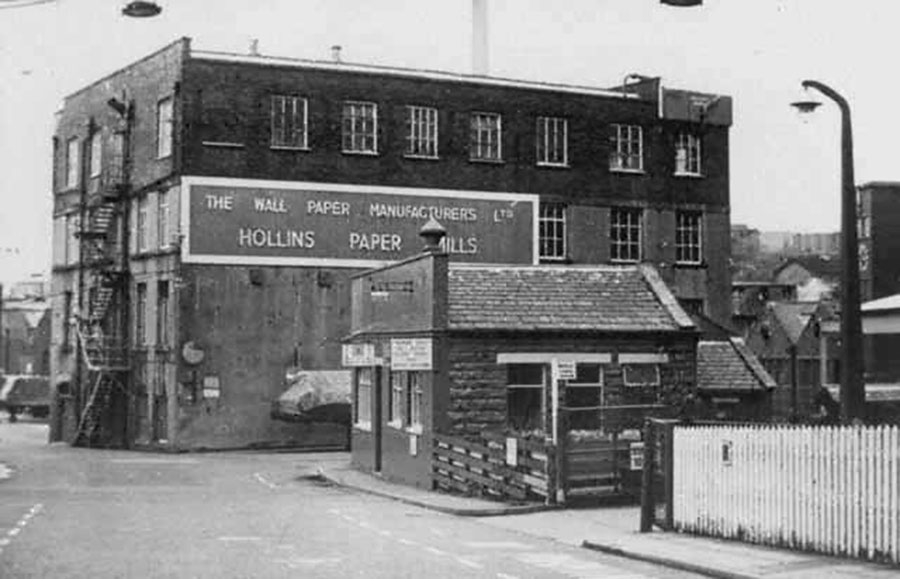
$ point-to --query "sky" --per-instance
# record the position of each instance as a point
(785, 168)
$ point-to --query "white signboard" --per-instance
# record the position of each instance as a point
(411, 354)
(354, 355)
(564, 369)
(512, 451)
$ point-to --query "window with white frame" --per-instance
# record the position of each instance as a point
(584, 396)
(625, 234)
(73, 162)
(626, 148)
(142, 232)
(360, 127)
(641, 374)
(421, 132)
(289, 122)
(552, 231)
(96, 153)
(485, 133)
(414, 401)
(552, 141)
(688, 237)
(362, 407)
(140, 314)
(525, 396)
(164, 125)
(163, 235)
(398, 395)
(687, 154)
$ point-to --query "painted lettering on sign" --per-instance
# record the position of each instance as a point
(237, 221)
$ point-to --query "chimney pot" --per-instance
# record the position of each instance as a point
(432, 232)
(336, 53)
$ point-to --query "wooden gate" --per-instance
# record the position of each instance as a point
(657, 487)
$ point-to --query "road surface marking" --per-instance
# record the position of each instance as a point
(496, 545)
(265, 481)
(4, 542)
(437, 532)
(408, 542)
(5, 471)
(384, 533)
(505, 576)
(436, 551)
(294, 562)
(468, 563)
(235, 539)
(13, 532)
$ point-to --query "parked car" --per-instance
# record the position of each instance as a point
(25, 393)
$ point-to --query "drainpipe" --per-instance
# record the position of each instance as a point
(795, 378)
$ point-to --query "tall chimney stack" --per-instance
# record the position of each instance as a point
(479, 37)
(336, 53)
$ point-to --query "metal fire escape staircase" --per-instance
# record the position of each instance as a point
(102, 342)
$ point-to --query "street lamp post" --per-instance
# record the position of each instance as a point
(853, 393)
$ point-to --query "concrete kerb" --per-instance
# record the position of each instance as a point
(458, 511)
(666, 561)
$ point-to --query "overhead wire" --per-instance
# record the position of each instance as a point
(9, 4)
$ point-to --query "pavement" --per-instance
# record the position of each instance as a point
(614, 530)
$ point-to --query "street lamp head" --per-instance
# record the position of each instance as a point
(806, 106)
(141, 9)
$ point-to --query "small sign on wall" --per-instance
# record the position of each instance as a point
(512, 451)
(637, 455)
(413, 444)
(411, 354)
(727, 452)
(358, 355)
(211, 387)
(564, 369)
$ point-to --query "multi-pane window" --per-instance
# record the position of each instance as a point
(363, 400)
(67, 322)
(142, 232)
(626, 148)
(140, 314)
(525, 396)
(289, 122)
(72, 249)
(162, 314)
(414, 401)
(552, 141)
(688, 237)
(485, 132)
(360, 127)
(397, 393)
(164, 118)
(691, 305)
(552, 231)
(625, 234)
(73, 162)
(640, 374)
(584, 396)
(96, 153)
(687, 154)
(162, 219)
(421, 132)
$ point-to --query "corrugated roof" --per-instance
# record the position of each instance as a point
(730, 365)
(597, 298)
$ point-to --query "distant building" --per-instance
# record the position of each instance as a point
(750, 299)
(24, 333)
(775, 241)
(816, 243)
(816, 277)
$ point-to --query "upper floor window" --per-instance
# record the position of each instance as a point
(397, 393)
(640, 374)
(414, 401)
(688, 237)
(96, 153)
(627, 148)
(142, 233)
(289, 122)
(362, 407)
(140, 314)
(687, 154)
(421, 132)
(162, 314)
(73, 162)
(484, 137)
(552, 231)
(164, 119)
(525, 396)
(625, 234)
(360, 127)
(162, 219)
(552, 141)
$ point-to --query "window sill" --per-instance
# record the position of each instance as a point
(363, 426)
(627, 171)
(553, 165)
(221, 145)
(687, 265)
(555, 260)
(415, 429)
(361, 153)
(396, 424)
(689, 175)
(624, 261)
(288, 148)
(422, 157)
(488, 161)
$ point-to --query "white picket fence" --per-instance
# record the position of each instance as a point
(831, 490)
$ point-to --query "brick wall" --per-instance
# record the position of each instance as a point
(478, 384)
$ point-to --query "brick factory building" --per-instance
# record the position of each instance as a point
(211, 208)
